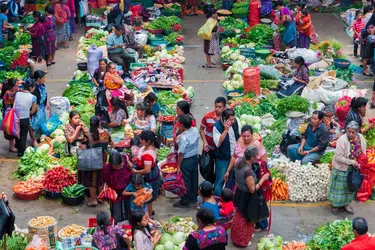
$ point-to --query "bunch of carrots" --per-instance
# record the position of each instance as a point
(28, 187)
(294, 245)
(251, 101)
(279, 190)
(143, 195)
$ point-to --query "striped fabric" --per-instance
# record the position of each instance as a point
(358, 26)
(338, 192)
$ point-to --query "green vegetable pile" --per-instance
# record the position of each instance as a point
(28, 19)
(370, 137)
(76, 190)
(171, 38)
(269, 84)
(334, 235)
(173, 8)
(6, 55)
(32, 164)
(78, 93)
(163, 153)
(241, 8)
(166, 97)
(276, 174)
(16, 241)
(273, 139)
(292, 103)
(69, 162)
(343, 74)
(167, 110)
(22, 38)
(230, 23)
(260, 33)
(327, 157)
(164, 23)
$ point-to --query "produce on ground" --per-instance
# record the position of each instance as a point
(163, 153)
(293, 103)
(254, 121)
(327, 157)
(294, 245)
(179, 224)
(164, 23)
(58, 178)
(260, 34)
(370, 136)
(78, 93)
(73, 230)
(42, 221)
(16, 241)
(169, 242)
(174, 38)
(75, 190)
(334, 235)
(233, 24)
(28, 187)
(32, 165)
(270, 243)
(307, 182)
(279, 190)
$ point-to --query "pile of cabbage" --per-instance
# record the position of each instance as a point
(270, 243)
(227, 54)
(254, 121)
(235, 83)
(169, 242)
(178, 52)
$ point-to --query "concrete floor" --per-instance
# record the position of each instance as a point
(291, 221)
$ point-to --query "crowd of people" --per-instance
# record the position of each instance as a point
(51, 30)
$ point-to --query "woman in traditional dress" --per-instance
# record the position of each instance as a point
(350, 146)
(248, 200)
(37, 32)
(118, 114)
(40, 117)
(357, 113)
(115, 85)
(117, 175)
(207, 236)
(61, 20)
(212, 47)
(146, 164)
(72, 19)
(50, 35)
(8, 94)
(289, 37)
(304, 26)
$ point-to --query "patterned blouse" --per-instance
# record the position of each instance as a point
(302, 73)
(107, 241)
(118, 116)
(149, 123)
(215, 239)
(8, 100)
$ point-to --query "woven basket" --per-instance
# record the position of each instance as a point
(68, 242)
(48, 234)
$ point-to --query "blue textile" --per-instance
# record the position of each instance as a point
(295, 88)
(3, 18)
(133, 207)
(290, 35)
(214, 208)
(227, 4)
(40, 116)
(263, 224)
(294, 155)
(221, 167)
(224, 149)
(155, 109)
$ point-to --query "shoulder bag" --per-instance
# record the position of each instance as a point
(90, 159)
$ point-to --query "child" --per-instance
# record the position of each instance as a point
(208, 201)
(330, 122)
(50, 35)
(152, 100)
(357, 26)
(226, 206)
(67, 21)
(143, 239)
(131, 190)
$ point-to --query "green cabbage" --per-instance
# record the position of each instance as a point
(178, 238)
(166, 237)
(159, 247)
(169, 245)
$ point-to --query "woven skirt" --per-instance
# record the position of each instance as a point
(338, 192)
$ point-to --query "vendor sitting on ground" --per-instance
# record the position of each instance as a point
(116, 48)
(358, 112)
(331, 123)
(130, 42)
(314, 141)
(118, 113)
(15, 11)
(300, 78)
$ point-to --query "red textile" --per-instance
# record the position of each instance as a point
(241, 230)
(37, 30)
(363, 242)
(226, 208)
(144, 158)
(358, 26)
(208, 122)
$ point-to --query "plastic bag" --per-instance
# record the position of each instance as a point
(51, 125)
(36, 244)
(269, 72)
(204, 164)
(108, 194)
(205, 31)
(59, 105)
(11, 123)
(140, 38)
(355, 179)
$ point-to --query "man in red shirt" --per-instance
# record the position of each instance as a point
(206, 132)
(362, 240)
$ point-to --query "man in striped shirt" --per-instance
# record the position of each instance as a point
(206, 132)
(357, 27)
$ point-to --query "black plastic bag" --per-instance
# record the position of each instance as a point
(285, 142)
(355, 179)
(204, 164)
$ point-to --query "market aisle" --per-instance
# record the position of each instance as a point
(291, 222)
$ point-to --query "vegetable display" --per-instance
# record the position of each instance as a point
(75, 190)
(233, 23)
(164, 23)
(327, 157)
(370, 136)
(32, 164)
(174, 38)
(16, 241)
(58, 178)
(78, 94)
(334, 235)
(294, 245)
(308, 182)
(241, 8)
(73, 230)
(260, 34)
(270, 243)
(179, 224)
(163, 153)
(279, 190)
(42, 221)
(293, 103)
(28, 187)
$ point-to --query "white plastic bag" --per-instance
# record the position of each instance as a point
(59, 105)
(141, 38)
(332, 83)
(36, 244)
(310, 56)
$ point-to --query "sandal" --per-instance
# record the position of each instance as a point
(348, 209)
(92, 204)
(49, 64)
(368, 74)
(53, 62)
(100, 201)
(13, 151)
(335, 210)
(209, 66)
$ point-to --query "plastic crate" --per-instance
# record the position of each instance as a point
(156, 43)
(92, 222)
(137, 65)
(158, 37)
